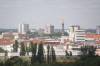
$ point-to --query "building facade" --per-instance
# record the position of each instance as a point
(23, 28)
(98, 30)
(49, 29)
(80, 35)
(71, 32)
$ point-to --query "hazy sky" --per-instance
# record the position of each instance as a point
(38, 13)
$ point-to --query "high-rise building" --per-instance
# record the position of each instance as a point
(23, 28)
(76, 34)
(98, 29)
(62, 27)
(73, 28)
(49, 29)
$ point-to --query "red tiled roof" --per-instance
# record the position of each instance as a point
(95, 36)
(6, 41)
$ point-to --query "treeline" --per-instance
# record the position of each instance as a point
(39, 58)
(19, 61)
(37, 51)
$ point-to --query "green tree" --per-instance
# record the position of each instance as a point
(67, 54)
(15, 46)
(53, 55)
(40, 54)
(6, 55)
(70, 53)
(22, 49)
(27, 50)
(14, 61)
(2, 50)
(33, 50)
(88, 50)
(48, 54)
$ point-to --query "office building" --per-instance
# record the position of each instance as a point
(80, 35)
(49, 29)
(23, 28)
(63, 27)
(72, 32)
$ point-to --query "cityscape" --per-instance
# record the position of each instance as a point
(62, 40)
(54, 43)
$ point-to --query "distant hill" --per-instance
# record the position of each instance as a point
(7, 30)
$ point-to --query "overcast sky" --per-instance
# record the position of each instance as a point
(38, 13)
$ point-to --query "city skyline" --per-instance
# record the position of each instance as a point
(41, 12)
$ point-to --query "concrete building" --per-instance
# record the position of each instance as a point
(98, 30)
(58, 30)
(76, 34)
(80, 35)
(93, 38)
(21, 36)
(73, 28)
(6, 44)
(74, 49)
(49, 29)
(63, 27)
(71, 32)
(7, 35)
(23, 28)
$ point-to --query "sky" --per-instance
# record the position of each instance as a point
(38, 13)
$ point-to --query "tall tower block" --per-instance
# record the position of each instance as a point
(23, 28)
(62, 26)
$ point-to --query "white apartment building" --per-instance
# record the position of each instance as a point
(23, 28)
(71, 32)
(76, 34)
(80, 35)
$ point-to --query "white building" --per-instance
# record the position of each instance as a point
(59, 49)
(21, 36)
(76, 34)
(71, 32)
(98, 29)
(80, 35)
(49, 29)
(6, 44)
(74, 49)
(7, 35)
(23, 28)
